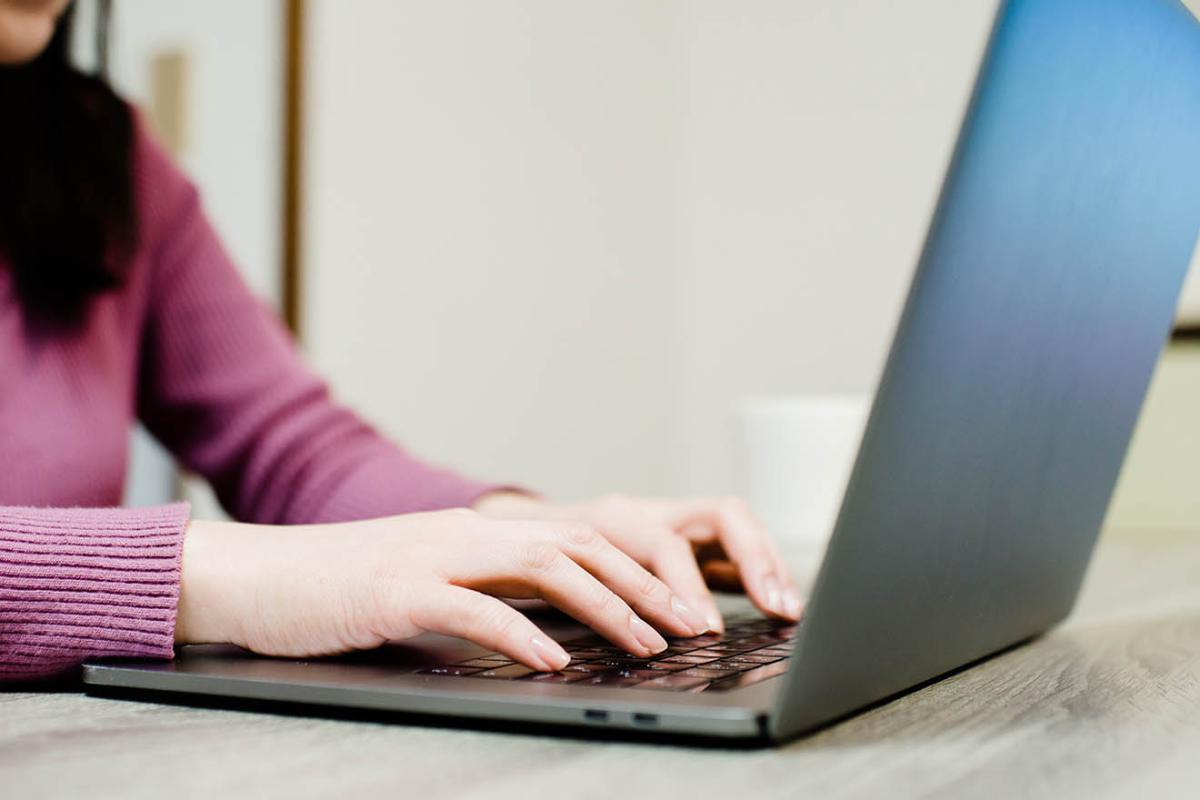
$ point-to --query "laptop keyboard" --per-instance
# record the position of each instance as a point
(751, 649)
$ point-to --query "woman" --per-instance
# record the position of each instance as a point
(117, 299)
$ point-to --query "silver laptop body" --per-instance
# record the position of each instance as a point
(1043, 297)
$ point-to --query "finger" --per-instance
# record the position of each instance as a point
(673, 561)
(489, 623)
(745, 540)
(648, 595)
(537, 562)
(572, 589)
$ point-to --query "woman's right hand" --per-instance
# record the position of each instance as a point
(311, 590)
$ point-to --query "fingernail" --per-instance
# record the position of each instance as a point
(647, 636)
(551, 655)
(792, 602)
(694, 621)
(714, 621)
(774, 593)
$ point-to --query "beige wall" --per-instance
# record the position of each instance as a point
(1160, 484)
(555, 241)
(489, 268)
(814, 139)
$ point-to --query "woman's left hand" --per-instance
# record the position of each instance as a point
(689, 544)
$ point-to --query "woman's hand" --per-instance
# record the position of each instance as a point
(680, 541)
(319, 589)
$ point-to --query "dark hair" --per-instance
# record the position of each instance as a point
(68, 222)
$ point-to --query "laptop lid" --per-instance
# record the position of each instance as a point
(1044, 294)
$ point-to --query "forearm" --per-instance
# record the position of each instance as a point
(82, 583)
(265, 587)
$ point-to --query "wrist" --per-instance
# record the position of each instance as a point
(208, 585)
(510, 504)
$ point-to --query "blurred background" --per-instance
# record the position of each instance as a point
(560, 242)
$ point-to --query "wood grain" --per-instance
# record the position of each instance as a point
(292, 235)
(1106, 706)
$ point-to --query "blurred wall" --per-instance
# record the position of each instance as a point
(232, 104)
(1160, 483)
(814, 138)
(556, 242)
(489, 259)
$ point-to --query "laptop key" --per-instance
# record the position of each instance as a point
(755, 657)
(485, 663)
(696, 641)
(619, 662)
(641, 674)
(750, 642)
(670, 653)
(742, 666)
(724, 666)
(688, 659)
(727, 669)
(509, 672)
(762, 640)
(586, 668)
(449, 669)
(704, 672)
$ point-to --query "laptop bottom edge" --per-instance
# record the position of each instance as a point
(591, 719)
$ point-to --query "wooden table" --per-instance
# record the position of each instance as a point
(1106, 706)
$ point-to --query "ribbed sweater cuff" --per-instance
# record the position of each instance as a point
(80, 583)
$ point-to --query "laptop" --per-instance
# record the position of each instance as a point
(1044, 294)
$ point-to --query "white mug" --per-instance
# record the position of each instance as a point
(797, 453)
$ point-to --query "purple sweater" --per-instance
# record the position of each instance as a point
(185, 347)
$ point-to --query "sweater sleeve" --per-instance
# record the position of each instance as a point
(81, 583)
(223, 387)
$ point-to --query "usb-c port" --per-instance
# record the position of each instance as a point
(645, 719)
(595, 715)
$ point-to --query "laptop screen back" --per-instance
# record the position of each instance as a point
(1045, 292)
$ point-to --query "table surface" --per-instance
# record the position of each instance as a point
(1107, 705)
